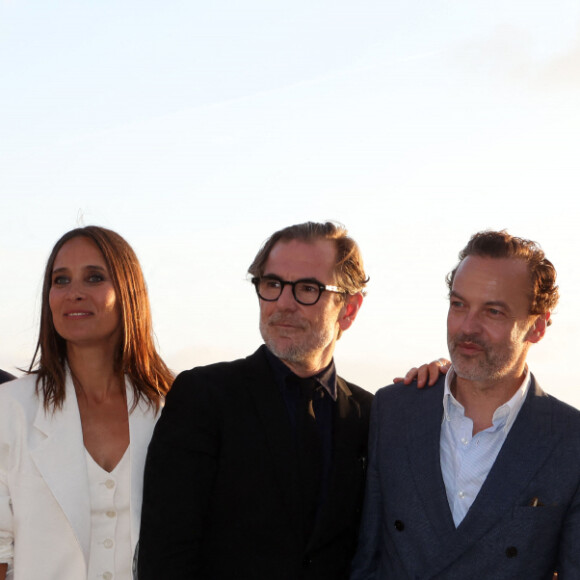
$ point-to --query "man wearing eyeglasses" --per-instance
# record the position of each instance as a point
(256, 468)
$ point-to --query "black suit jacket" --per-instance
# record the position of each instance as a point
(5, 377)
(221, 496)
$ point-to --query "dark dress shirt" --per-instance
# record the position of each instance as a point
(323, 409)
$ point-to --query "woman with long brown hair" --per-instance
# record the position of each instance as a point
(74, 431)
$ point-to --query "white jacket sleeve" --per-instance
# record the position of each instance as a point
(6, 517)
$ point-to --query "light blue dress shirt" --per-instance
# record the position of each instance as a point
(466, 459)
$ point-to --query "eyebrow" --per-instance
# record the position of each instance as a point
(88, 267)
(276, 277)
(499, 303)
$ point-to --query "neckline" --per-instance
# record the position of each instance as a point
(102, 469)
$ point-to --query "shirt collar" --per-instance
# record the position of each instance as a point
(508, 411)
(326, 377)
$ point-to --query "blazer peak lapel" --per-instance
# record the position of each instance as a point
(59, 457)
(141, 424)
(349, 456)
(526, 448)
(425, 414)
(272, 413)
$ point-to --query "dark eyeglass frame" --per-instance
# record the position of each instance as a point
(313, 281)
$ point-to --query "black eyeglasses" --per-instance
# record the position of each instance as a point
(306, 291)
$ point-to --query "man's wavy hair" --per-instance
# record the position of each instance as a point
(136, 355)
(493, 244)
(349, 270)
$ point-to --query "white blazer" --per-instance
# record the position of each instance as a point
(44, 488)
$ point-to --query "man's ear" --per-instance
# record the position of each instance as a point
(538, 329)
(349, 310)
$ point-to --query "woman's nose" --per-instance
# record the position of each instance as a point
(75, 291)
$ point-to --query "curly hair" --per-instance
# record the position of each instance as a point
(499, 244)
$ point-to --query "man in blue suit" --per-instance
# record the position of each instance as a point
(479, 476)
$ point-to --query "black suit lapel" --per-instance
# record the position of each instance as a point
(349, 456)
(272, 414)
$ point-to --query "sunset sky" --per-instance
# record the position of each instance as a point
(197, 129)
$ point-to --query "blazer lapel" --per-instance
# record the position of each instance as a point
(528, 444)
(59, 457)
(425, 413)
(141, 423)
(272, 413)
(349, 454)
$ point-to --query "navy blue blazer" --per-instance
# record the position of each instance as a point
(408, 530)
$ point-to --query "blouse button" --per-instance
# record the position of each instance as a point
(108, 576)
(108, 543)
(109, 484)
(111, 513)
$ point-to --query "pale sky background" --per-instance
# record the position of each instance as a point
(197, 129)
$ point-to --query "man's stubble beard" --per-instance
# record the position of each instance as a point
(494, 365)
(301, 347)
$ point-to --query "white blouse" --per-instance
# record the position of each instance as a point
(110, 494)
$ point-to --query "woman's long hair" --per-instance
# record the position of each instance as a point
(136, 356)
